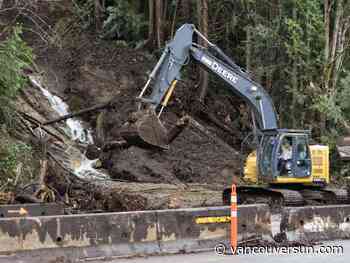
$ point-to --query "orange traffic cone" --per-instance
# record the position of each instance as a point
(234, 225)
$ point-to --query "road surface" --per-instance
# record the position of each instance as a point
(337, 256)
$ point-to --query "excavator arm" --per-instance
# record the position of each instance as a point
(178, 53)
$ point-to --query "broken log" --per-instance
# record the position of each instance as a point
(128, 196)
(37, 123)
(111, 145)
(218, 123)
(181, 124)
(78, 113)
(206, 132)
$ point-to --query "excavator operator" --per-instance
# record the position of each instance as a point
(285, 157)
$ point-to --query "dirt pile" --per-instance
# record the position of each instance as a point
(94, 71)
(95, 78)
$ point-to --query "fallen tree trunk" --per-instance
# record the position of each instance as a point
(78, 113)
(195, 124)
(127, 196)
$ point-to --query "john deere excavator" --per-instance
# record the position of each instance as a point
(297, 179)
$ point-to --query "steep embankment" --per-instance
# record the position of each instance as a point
(94, 72)
(84, 70)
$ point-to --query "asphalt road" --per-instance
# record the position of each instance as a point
(334, 256)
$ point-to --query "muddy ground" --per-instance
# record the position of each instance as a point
(86, 70)
(96, 71)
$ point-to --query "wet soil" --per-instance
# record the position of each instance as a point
(93, 71)
(85, 70)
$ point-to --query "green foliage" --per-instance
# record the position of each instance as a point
(343, 96)
(337, 105)
(121, 20)
(123, 23)
(304, 38)
(84, 10)
(16, 160)
(329, 105)
(15, 55)
(11, 153)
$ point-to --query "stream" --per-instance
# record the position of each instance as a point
(74, 128)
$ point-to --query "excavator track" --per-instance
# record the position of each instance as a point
(338, 196)
(278, 197)
(290, 197)
(313, 197)
(274, 197)
(326, 196)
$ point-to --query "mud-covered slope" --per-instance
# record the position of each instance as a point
(96, 72)
(85, 70)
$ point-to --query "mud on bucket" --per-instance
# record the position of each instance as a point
(145, 130)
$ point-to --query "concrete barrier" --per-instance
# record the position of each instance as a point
(92, 236)
(75, 238)
(190, 230)
(316, 223)
(31, 210)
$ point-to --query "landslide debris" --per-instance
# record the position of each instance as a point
(85, 70)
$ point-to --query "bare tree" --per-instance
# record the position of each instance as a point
(185, 8)
(327, 16)
(99, 9)
(295, 81)
(151, 23)
(156, 18)
(336, 24)
(202, 10)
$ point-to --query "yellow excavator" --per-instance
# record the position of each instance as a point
(284, 167)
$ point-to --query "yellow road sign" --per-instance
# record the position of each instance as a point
(213, 219)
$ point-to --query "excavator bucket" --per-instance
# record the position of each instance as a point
(145, 130)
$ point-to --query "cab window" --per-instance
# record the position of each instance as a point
(266, 155)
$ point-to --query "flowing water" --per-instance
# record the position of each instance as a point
(80, 165)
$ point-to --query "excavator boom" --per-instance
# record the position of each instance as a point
(148, 130)
(178, 54)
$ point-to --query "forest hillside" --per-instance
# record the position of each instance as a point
(64, 56)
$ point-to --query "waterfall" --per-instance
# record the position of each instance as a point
(76, 131)
(83, 167)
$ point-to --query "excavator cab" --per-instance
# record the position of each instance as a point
(284, 153)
